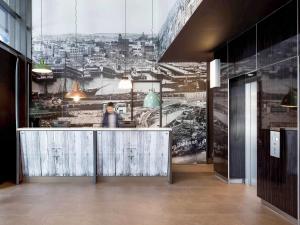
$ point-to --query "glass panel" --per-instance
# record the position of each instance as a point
(15, 5)
(4, 35)
(29, 43)
(242, 53)
(9, 30)
(13, 30)
(277, 36)
(14, 33)
(276, 82)
(29, 14)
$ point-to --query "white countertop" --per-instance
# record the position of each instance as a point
(91, 129)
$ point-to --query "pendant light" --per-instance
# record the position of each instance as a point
(152, 100)
(41, 67)
(76, 93)
(125, 82)
(290, 99)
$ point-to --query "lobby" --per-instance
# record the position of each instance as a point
(149, 112)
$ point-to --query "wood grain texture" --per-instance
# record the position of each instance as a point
(133, 153)
(277, 177)
(57, 153)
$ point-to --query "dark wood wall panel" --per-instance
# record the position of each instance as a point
(277, 177)
(7, 116)
(8, 66)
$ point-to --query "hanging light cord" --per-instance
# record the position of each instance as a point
(152, 23)
(76, 23)
(42, 27)
(125, 56)
(152, 41)
(76, 34)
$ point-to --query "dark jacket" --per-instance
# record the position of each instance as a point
(105, 119)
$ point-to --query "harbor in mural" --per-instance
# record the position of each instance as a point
(97, 61)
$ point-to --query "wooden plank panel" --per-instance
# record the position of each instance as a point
(141, 153)
(121, 141)
(78, 153)
(99, 154)
(108, 147)
(45, 158)
(126, 153)
(34, 157)
(70, 157)
(164, 149)
(133, 153)
(70, 153)
(31, 159)
(88, 156)
(154, 160)
(24, 155)
(57, 153)
(145, 141)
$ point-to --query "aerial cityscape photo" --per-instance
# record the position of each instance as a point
(97, 60)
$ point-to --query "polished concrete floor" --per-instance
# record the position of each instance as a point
(195, 198)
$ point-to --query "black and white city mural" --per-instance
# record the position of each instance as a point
(97, 57)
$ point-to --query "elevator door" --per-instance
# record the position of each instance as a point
(251, 133)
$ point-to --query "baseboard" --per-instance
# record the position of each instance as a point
(279, 212)
(61, 179)
(221, 177)
(58, 179)
(236, 181)
(131, 178)
(230, 181)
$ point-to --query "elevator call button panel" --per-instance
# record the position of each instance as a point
(275, 144)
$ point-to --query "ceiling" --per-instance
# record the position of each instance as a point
(213, 23)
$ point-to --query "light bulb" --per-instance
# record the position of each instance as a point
(125, 84)
(76, 98)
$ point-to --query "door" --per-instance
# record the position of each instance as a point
(237, 129)
(251, 132)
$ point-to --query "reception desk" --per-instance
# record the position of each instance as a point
(94, 152)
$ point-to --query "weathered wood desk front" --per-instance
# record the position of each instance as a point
(94, 152)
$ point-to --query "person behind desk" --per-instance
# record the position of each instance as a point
(110, 117)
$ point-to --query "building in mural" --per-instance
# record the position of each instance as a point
(97, 62)
(180, 13)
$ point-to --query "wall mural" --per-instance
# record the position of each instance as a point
(179, 14)
(97, 58)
